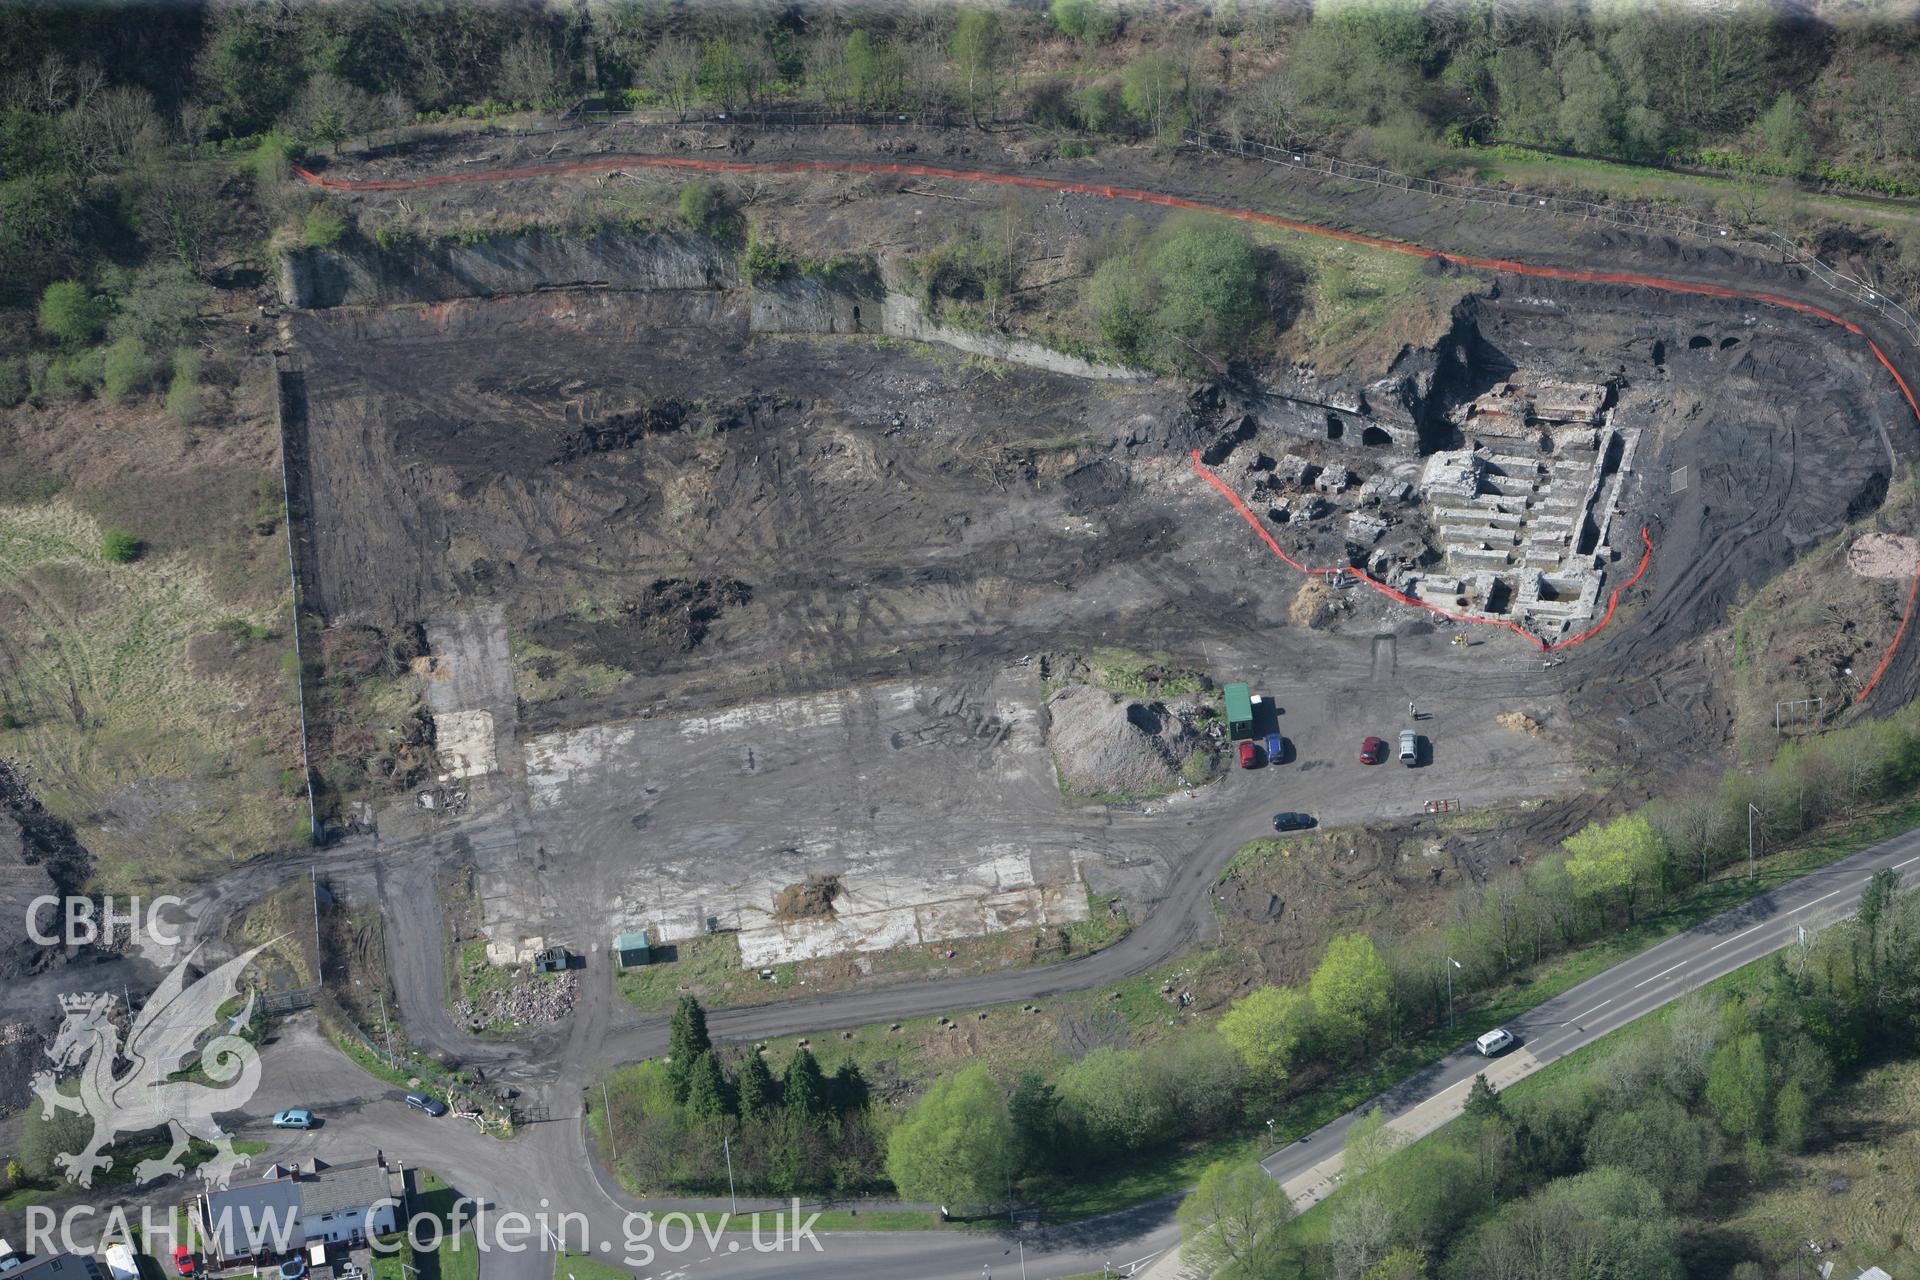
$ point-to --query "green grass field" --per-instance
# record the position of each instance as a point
(1576, 175)
(103, 700)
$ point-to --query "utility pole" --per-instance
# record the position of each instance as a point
(606, 1105)
(1753, 812)
(319, 956)
(1452, 964)
(387, 1028)
(726, 1145)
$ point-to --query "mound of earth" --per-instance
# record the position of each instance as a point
(1107, 744)
(811, 899)
(1884, 555)
(672, 616)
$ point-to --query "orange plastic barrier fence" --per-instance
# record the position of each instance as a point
(1545, 646)
(941, 173)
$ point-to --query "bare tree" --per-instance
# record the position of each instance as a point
(1360, 1233)
(826, 68)
(1693, 1033)
(758, 75)
(190, 125)
(672, 72)
(392, 109)
(88, 81)
(929, 80)
(179, 212)
(330, 110)
(121, 122)
(1692, 827)
(1270, 109)
(50, 86)
(528, 70)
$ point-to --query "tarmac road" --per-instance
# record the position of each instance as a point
(509, 1171)
(546, 1172)
(1581, 1015)
(549, 1167)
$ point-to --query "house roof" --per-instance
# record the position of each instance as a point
(246, 1218)
(343, 1187)
(631, 941)
(253, 1216)
(56, 1266)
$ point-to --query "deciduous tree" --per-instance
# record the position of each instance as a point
(954, 1147)
(1737, 1085)
(1268, 1028)
(1229, 1218)
(1616, 859)
(974, 49)
(1350, 992)
(72, 313)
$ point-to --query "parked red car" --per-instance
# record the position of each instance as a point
(1373, 751)
(183, 1260)
(1249, 756)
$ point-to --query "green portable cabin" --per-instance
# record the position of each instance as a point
(1239, 712)
(631, 950)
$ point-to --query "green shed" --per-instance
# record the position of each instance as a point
(1239, 712)
(631, 950)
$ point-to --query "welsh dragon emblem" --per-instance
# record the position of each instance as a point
(164, 1039)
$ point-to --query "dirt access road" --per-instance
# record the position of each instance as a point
(1642, 674)
(1180, 917)
(1656, 275)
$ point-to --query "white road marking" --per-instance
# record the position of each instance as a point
(1656, 977)
(1736, 937)
(1779, 919)
(1576, 1017)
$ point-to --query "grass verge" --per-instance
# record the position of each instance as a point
(1319, 1106)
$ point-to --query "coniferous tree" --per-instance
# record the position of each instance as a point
(687, 1040)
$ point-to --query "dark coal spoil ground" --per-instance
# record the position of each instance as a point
(826, 511)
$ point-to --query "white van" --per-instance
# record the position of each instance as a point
(120, 1263)
(1494, 1043)
(1409, 747)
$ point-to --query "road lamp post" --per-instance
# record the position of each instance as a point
(726, 1145)
(1753, 811)
(1452, 964)
(387, 1028)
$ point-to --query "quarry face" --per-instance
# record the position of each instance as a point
(725, 591)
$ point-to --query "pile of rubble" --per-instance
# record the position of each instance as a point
(531, 1001)
(1515, 521)
(1107, 744)
(1523, 513)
